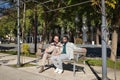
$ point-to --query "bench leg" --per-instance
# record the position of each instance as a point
(74, 67)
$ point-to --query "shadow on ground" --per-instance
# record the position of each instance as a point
(68, 67)
(94, 72)
(5, 61)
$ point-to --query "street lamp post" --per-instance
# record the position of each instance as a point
(103, 29)
(18, 32)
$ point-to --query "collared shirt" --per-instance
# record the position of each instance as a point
(56, 44)
(64, 48)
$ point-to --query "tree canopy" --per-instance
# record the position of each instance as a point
(57, 13)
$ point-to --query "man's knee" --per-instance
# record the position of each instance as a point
(45, 55)
(50, 49)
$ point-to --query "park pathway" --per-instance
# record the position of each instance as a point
(31, 73)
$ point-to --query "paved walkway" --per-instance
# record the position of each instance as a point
(31, 73)
(8, 73)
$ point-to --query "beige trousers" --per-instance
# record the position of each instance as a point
(52, 50)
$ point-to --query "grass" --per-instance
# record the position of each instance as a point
(9, 52)
(98, 62)
(15, 53)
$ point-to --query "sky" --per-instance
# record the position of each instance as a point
(5, 5)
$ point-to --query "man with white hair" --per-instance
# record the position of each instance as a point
(52, 50)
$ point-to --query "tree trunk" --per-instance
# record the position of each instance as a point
(44, 34)
(114, 45)
(35, 28)
(23, 25)
(97, 37)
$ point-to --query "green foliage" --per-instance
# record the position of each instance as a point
(7, 26)
(9, 52)
(15, 53)
(110, 3)
(28, 20)
(78, 41)
(62, 18)
(25, 49)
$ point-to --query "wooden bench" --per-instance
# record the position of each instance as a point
(77, 55)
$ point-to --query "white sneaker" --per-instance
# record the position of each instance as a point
(60, 71)
(56, 70)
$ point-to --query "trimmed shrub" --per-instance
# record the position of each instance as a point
(78, 41)
(25, 49)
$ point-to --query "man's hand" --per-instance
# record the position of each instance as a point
(46, 50)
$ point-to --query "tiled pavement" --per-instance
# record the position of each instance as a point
(31, 73)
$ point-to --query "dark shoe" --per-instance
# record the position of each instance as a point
(41, 69)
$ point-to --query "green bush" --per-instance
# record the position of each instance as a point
(25, 49)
